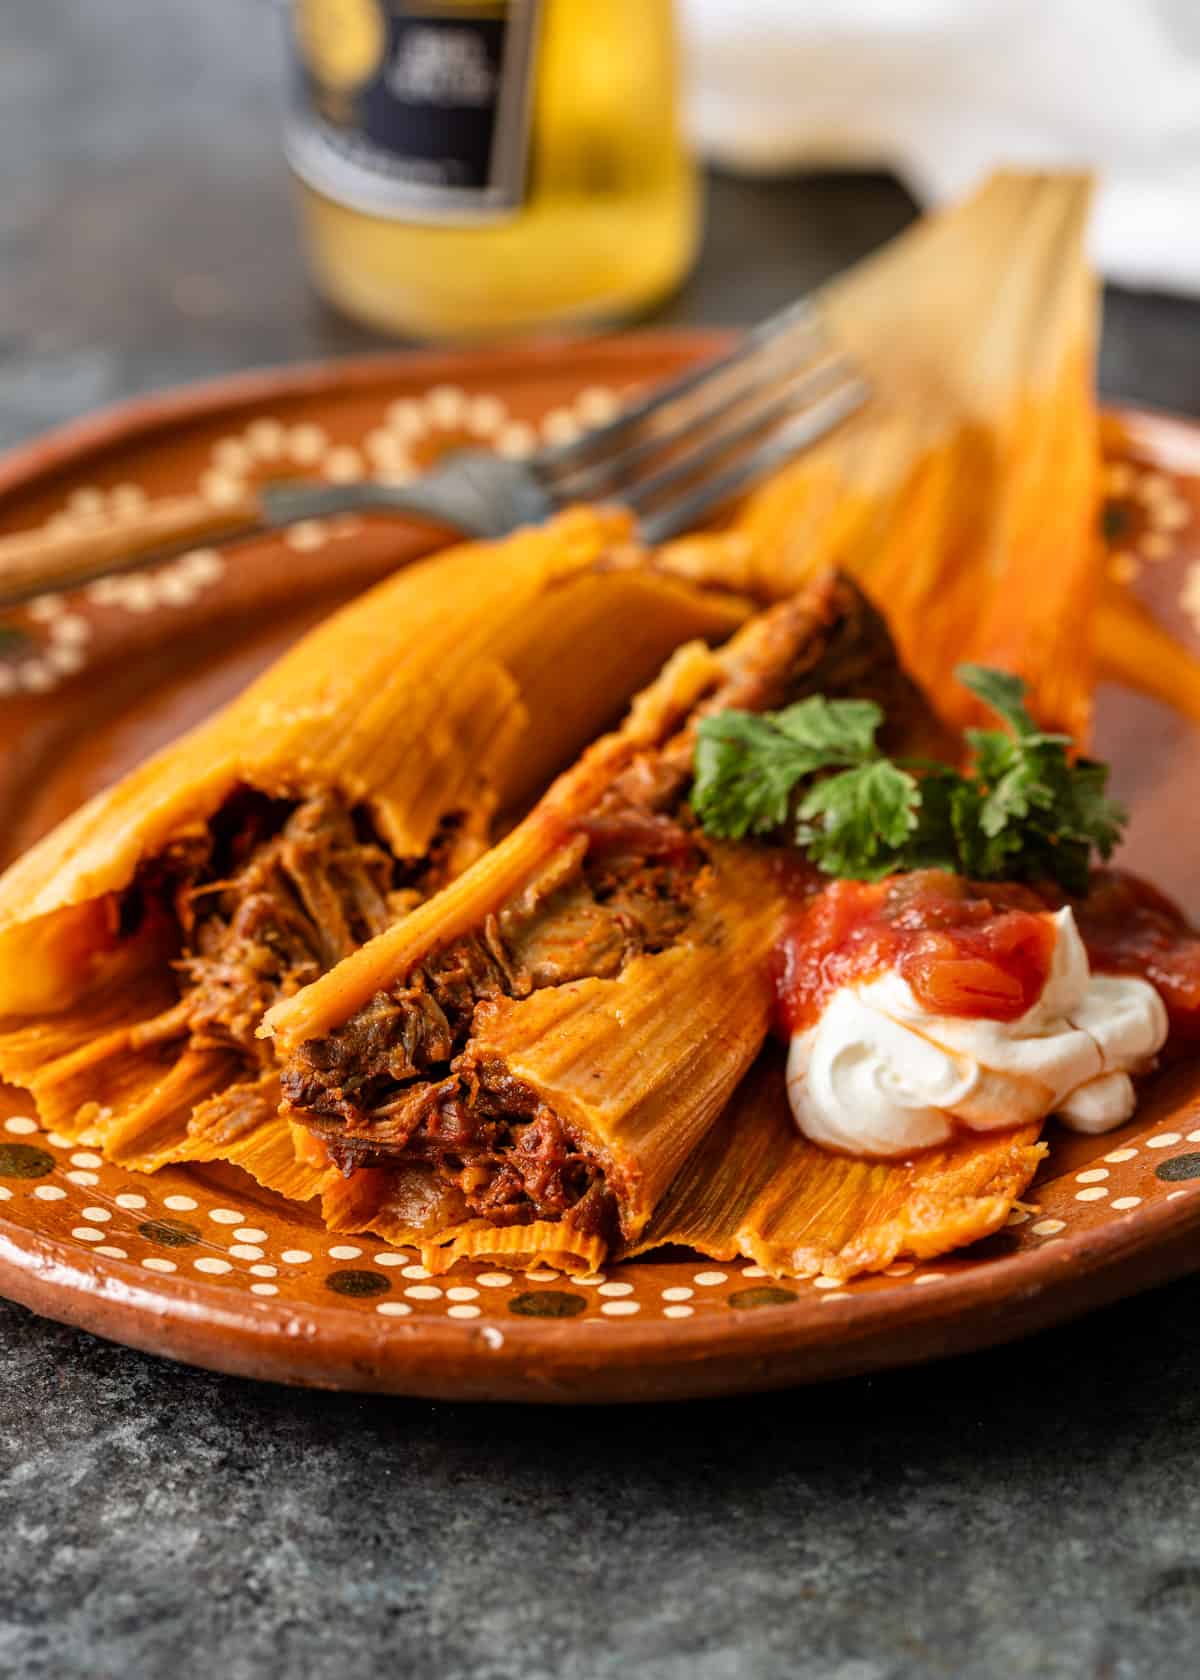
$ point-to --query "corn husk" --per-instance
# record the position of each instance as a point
(963, 496)
(756, 1188)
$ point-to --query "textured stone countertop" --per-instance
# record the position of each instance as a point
(1034, 1511)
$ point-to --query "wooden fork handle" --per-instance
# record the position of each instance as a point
(32, 562)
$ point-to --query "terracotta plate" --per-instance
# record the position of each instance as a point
(206, 1267)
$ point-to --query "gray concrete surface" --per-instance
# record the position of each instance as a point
(1032, 1512)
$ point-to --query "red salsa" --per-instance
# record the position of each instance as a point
(980, 949)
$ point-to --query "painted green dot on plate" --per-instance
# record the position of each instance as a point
(171, 1233)
(347, 1282)
(766, 1295)
(1179, 1166)
(23, 1160)
(547, 1303)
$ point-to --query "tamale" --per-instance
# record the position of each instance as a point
(141, 941)
(755, 1188)
(524, 1063)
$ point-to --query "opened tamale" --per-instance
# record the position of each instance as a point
(141, 941)
(519, 1068)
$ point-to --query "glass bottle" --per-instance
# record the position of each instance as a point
(475, 168)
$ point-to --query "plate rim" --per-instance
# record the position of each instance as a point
(622, 1359)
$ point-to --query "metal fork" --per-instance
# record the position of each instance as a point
(671, 458)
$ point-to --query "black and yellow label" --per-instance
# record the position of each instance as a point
(414, 111)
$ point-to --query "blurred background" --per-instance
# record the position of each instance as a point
(149, 232)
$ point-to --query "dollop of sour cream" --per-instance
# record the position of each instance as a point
(879, 1075)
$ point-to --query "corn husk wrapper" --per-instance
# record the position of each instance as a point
(964, 495)
(756, 1188)
(461, 685)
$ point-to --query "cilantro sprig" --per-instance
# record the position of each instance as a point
(1025, 810)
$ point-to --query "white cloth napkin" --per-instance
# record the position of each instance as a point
(941, 91)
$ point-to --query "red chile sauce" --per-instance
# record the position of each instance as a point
(980, 949)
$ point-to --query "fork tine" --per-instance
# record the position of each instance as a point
(798, 396)
(714, 400)
(790, 440)
(796, 317)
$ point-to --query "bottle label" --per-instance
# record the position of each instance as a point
(414, 111)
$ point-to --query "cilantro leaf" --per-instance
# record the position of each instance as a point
(747, 765)
(866, 816)
(842, 731)
(1001, 692)
(1024, 811)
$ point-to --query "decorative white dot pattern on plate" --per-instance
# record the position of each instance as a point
(596, 405)
(423, 1292)
(64, 627)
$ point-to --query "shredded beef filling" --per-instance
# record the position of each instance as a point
(266, 897)
(400, 1079)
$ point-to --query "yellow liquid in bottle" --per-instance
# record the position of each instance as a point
(610, 218)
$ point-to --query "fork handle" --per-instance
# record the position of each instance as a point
(32, 562)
